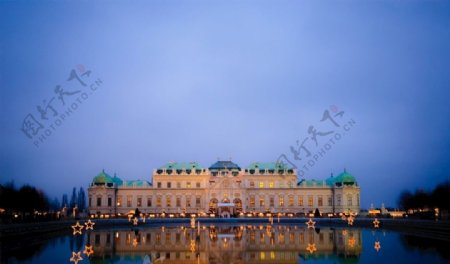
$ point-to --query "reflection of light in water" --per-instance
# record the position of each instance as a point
(221, 243)
(377, 246)
(88, 251)
(351, 241)
(76, 257)
(311, 248)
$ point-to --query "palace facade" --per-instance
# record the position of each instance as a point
(224, 189)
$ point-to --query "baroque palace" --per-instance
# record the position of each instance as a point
(224, 190)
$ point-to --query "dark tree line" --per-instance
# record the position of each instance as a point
(24, 203)
(422, 200)
(30, 203)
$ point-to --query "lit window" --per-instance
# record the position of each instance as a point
(168, 201)
(149, 201)
(252, 201)
(291, 200)
(300, 201)
(272, 201)
(261, 201)
(188, 201)
(158, 201)
(129, 199)
(188, 184)
(139, 201)
(119, 200)
(310, 201)
(261, 184)
(281, 200)
(271, 184)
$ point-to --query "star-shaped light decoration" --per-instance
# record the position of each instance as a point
(88, 251)
(310, 223)
(76, 257)
(311, 248)
(376, 223)
(351, 242)
(377, 246)
(77, 228)
(135, 221)
(89, 225)
(350, 220)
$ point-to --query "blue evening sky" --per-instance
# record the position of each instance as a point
(202, 80)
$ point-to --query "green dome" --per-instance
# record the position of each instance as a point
(102, 178)
(118, 181)
(345, 178)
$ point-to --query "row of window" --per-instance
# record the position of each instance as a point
(149, 201)
(290, 201)
(270, 184)
(252, 184)
(253, 201)
(178, 185)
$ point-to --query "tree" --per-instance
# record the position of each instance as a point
(81, 199)
(441, 196)
(54, 205)
(73, 198)
(65, 201)
(405, 200)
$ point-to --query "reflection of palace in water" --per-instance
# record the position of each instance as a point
(228, 244)
(224, 189)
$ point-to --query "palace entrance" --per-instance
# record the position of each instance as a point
(226, 208)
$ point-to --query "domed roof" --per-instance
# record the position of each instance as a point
(102, 177)
(118, 181)
(224, 165)
(345, 178)
(330, 181)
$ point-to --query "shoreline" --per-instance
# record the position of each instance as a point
(424, 228)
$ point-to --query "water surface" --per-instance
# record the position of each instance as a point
(221, 243)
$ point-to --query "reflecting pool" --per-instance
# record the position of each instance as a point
(222, 243)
